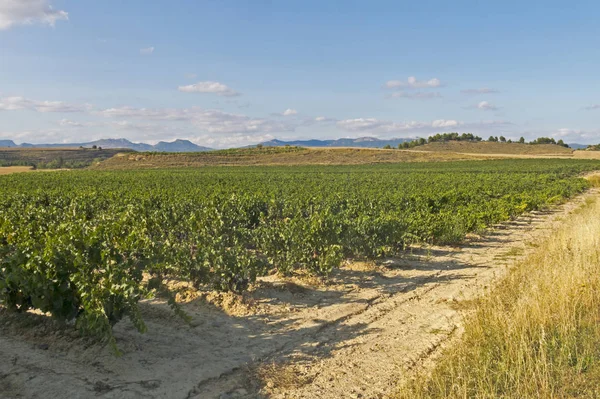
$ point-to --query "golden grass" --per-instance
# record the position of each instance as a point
(537, 334)
(8, 170)
(594, 180)
(582, 154)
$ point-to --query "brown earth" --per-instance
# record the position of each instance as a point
(355, 335)
(299, 156)
(9, 170)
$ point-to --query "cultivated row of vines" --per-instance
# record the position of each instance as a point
(87, 246)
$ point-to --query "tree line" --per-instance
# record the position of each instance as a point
(470, 137)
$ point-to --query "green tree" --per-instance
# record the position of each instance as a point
(502, 139)
(522, 140)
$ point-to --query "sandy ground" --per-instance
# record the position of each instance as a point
(355, 336)
(8, 170)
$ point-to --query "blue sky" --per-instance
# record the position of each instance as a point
(228, 73)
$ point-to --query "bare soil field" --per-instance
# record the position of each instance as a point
(354, 335)
(9, 170)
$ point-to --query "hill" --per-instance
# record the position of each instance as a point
(163, 146)
(277, 156)
(485, 147)
(55, 158)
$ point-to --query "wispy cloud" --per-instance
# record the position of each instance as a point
(289, 112)
(28, 12)
(376, 126)
(486, 106)
(417, 95)
(571, 135)
(379, 126)
(147, 51)
(592, 107)
(210, 87)
(21, 103)
(413, 83)
(207, 120)
(483, 90)
(323, 119)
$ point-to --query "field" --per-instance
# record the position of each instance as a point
(55, 158)
(91, 248)
(276, 156)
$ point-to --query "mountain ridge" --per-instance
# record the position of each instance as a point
(181, 145)
(178, 145)
(363, 142)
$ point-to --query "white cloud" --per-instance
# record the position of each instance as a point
(191, 75)
(210, 87)
(417, 95)
(486, 106)
(413, 83)
(208, 120)
(483, 90)
(324, 119)
(592, 107)
(376, 126)
(289, 112)
(20, 103)
(27, 12)
(233, 140)
(147, 51)
(575, 135)
(70, 123)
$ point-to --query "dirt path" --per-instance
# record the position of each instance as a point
(354, 337)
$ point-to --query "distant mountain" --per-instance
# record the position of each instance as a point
(576, 146)
(7, 143)
(163, 146)
(365, 142)
(179, 146)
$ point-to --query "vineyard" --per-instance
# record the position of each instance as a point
(87, 246)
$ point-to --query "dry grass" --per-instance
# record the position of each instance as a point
(496, 148)
(277, 376)
(594, 180)
(300, 156)
(9, 170)
(582, 154)
(537, 335)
